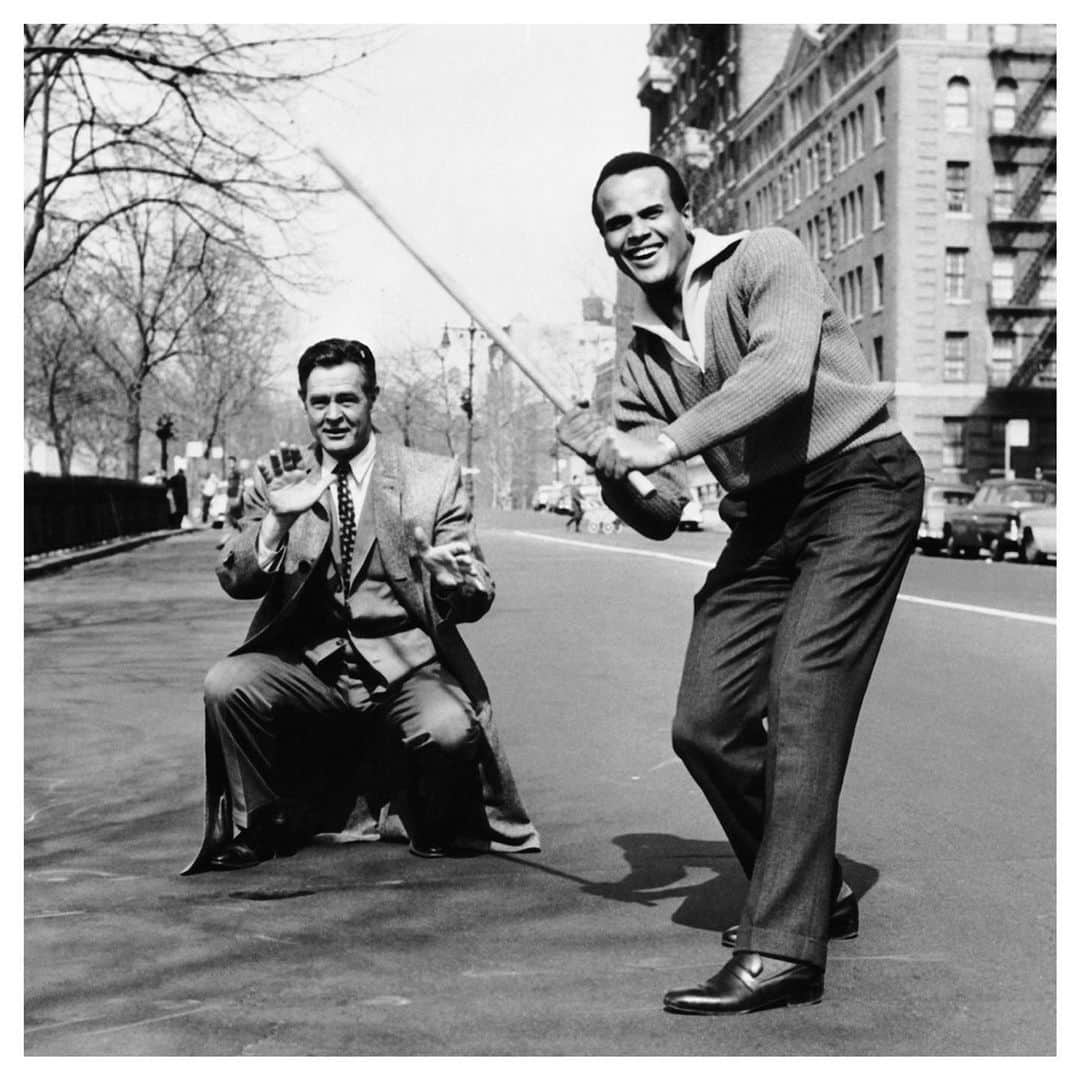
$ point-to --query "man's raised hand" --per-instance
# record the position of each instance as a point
(452, 566)
(290, 489)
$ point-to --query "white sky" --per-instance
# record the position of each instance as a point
(484, 142)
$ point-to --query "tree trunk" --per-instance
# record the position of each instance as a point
(133, 434)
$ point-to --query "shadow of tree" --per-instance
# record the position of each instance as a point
(659, 864)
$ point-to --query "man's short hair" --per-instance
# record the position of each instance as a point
(621, 164)
(334, 351)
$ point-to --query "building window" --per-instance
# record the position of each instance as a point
(1048, 200)
(879, 199)
(859, 124)
(830, 231)
(845, 227)
(879, 357)
(879, 115)
(1004, 196)
(878, 291)
(860, 204)
(1002, 358)
(845, 144)
(1048, 282)
(956, 187)
(956, 358)
(958, 104)
(952, 442)
(1001, 281)
(956, 273)
(829, 141)
(857, 298)
(1005, 105)
(1048, 115)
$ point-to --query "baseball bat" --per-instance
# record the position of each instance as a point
(641, 484)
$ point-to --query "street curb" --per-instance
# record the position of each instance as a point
(52, 564)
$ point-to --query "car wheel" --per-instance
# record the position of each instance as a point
(997, 549)
(593, 526)
(608, 527)
(952, 548)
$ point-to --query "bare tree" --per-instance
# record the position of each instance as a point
(65, 398)
(226, 359)
(119, 118)
(137, 304)
(416, 401)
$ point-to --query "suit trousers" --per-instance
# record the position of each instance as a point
(786, 631)
(286, 733)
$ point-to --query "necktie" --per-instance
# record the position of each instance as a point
(346, 522)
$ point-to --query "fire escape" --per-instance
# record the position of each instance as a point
(1026, 228)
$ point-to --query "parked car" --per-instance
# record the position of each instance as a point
(693, 516)
(992, 519)
(938, 496)
(547, 496)
(600, 518)
(1038, 534)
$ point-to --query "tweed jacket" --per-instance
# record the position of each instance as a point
(408, 488)
(785, 381)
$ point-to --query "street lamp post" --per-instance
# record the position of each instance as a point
(466, 400)
(164, 432)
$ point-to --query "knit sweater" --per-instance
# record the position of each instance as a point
(785, 382)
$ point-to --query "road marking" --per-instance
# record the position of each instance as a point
(1000, 613)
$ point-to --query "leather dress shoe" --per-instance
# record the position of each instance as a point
(741, 986)
(248, 849)
(270, 834)
(426, 849)
(843, 922)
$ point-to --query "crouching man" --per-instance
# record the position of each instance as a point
(354, 710)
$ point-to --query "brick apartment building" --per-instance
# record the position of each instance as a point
(917, 163)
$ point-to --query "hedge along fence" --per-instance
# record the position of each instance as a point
(62, 512)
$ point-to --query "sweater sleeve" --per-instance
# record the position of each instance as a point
(639, 410)
(781, 293)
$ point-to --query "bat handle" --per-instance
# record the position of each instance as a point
(641, 483)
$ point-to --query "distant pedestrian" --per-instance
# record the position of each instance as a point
(177, 485)
(234, 484)
(577, 505)
(207, 491)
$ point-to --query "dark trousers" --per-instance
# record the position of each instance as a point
(786, 630)
(284, 730)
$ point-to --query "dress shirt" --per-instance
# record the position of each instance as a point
(697, 283)
(359, 481)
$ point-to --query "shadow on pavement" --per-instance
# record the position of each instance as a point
(659, 863)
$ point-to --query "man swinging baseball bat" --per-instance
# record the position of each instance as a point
(742, 354)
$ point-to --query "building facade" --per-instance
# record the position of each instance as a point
(918, 165)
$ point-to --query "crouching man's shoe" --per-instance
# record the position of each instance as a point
(268, 835)
(742, 985)
(843, 922)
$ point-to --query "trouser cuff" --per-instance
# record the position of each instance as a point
(799, 947)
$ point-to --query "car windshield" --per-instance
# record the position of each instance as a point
(949, 498)
(1023, 493)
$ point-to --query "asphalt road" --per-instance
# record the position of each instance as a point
(947, 827)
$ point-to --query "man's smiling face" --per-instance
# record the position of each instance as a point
(643, 232)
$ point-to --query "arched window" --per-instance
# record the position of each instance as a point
(1005, 105)
(958, 103)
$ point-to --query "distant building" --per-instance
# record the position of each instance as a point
(918, 165)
